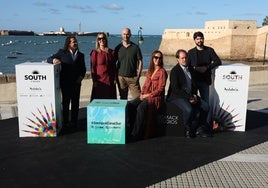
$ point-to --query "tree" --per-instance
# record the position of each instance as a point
(265, 21)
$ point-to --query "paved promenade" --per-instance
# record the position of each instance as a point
(246, 168)
(229, 159)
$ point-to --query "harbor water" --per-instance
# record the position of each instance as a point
(19, 49)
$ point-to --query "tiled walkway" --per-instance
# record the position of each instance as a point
(248, 168)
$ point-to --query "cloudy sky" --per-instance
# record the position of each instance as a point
(111, 16)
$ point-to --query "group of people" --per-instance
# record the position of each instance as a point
(189, 82)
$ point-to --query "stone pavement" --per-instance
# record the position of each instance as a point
(258, 98)
(247, 168)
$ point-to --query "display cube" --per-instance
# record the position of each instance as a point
(106, 121)
(229, 97)
(39, 99)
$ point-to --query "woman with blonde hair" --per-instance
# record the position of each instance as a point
(103, 69)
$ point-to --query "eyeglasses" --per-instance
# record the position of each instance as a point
(156, 57)
(101, 38)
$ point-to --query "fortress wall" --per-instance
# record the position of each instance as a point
(231, 24)
(173, 39)
(170, 46)
(221, 46)
(231, 39)
(188, 33)
(260, 43)
(242, 47)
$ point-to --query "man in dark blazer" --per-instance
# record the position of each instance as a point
(183, 93)
(202, 60)
(73, 70)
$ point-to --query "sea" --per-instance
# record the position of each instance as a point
(19, 49)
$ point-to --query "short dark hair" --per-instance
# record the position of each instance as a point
(198, 34)
(179, 51)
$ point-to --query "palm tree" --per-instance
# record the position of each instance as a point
(265, 21)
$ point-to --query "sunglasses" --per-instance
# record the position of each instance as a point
(156, 57)
(101, 38)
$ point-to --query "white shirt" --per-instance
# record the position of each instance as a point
(74, 55)
(188, 78)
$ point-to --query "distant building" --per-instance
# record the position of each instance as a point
(62, 32)
(231, 39)
(17, 32)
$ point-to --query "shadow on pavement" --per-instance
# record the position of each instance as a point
(68, 161)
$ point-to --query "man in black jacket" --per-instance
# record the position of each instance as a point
(183, 93)
(73, 70)
(201, 60)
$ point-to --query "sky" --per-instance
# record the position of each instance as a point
(154, 16)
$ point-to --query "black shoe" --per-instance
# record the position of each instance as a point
(204, 134)
(199, 131)
(189, 134)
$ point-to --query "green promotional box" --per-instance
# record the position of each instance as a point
(106, 121)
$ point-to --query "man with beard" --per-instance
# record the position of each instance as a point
(73, 70)
(202, 59)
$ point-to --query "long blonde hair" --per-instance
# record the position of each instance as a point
(97, 41)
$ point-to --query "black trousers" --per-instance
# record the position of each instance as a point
(70, 95)
(136, 116)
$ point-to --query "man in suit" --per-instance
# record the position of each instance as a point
(73, 70)
(183, 93)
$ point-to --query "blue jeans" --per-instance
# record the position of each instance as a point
(203, 89)
(191, 112)
(188, 112)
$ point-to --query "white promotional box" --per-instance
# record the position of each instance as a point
(106, 121)
(39, 99)
(229, 97)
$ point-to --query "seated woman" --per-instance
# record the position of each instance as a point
(141, 109)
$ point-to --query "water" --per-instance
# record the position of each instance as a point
(19, 49)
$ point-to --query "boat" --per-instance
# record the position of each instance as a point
(11, 57)
(8, 43)
(16, 52)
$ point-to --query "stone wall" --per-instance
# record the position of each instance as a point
(231, 39)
